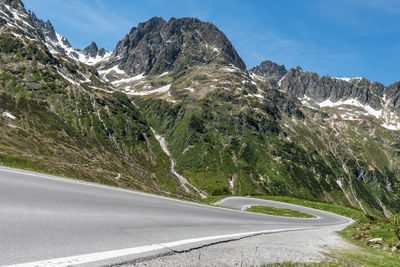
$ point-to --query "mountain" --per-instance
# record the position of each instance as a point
(267, 130)
(59, 117)
(178, 90)
(373, 97)
(269, 69)
(157, 46)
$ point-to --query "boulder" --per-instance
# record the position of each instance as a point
(377, 240)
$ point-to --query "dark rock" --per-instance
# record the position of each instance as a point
(92, 50)
(102, 52)
(393, 93)
(270, 69)
(46, 28)
(157, 46)
(300, 84)
(16, 4)
(75, 55)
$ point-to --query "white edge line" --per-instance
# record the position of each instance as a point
(76, 181)
(289, 204)
(100, 256)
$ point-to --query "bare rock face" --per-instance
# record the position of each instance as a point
(310, 84)
(393, 93)
(300, 83)
(157, 46)
(270, 69)
(16, 4)
(92, 50)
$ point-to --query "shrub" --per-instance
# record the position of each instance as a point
(396, 225)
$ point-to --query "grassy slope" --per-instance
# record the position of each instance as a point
(279, 212)
(345, 211)
(91, 135)
(220, 133)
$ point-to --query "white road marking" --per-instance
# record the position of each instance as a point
(100, 256)
(106, 187)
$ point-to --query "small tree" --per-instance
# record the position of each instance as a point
(396, 225)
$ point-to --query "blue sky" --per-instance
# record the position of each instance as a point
(342, 38)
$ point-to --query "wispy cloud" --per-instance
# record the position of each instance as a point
(389, 6)
(83, 21)
(94, 14)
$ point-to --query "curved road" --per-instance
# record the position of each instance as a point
(46, 220)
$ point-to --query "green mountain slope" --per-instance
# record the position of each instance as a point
(58, 117)
(231, 136)
(267, 131)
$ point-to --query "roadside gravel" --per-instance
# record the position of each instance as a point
(297, 246)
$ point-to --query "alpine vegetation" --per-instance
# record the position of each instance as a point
(219, 127)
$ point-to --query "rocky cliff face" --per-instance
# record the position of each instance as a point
(93, 51)
(158, 46)
(302, 84)
(268, 68)
(15, 4)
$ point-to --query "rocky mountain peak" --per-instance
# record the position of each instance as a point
(45, 26)
(92, 50)
(16, 4)
(157, 46)
(270, 69)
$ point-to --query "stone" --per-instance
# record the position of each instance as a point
(377, 240)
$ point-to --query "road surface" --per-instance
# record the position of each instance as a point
(46, 220)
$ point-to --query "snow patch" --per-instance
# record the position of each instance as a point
(348, 79)
(9, 115)
(255, 76)
(162, 74)
(353, 102)
(127, 80)
(94, 60)
(155, 91)
(280, 81)
(116, 69)
(61, 44)
(229, 69)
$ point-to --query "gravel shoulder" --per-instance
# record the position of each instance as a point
(294, 246)
(297, 246)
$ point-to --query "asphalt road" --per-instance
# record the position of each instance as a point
(56, 221)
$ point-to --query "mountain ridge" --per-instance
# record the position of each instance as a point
(230, 130)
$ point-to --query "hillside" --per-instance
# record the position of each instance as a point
(59, 117)
(229, 129)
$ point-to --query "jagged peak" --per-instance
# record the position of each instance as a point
(92, 50)
(148, 25)
(16, 4)
(168, 40)
(92, 45)
(268, 68)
